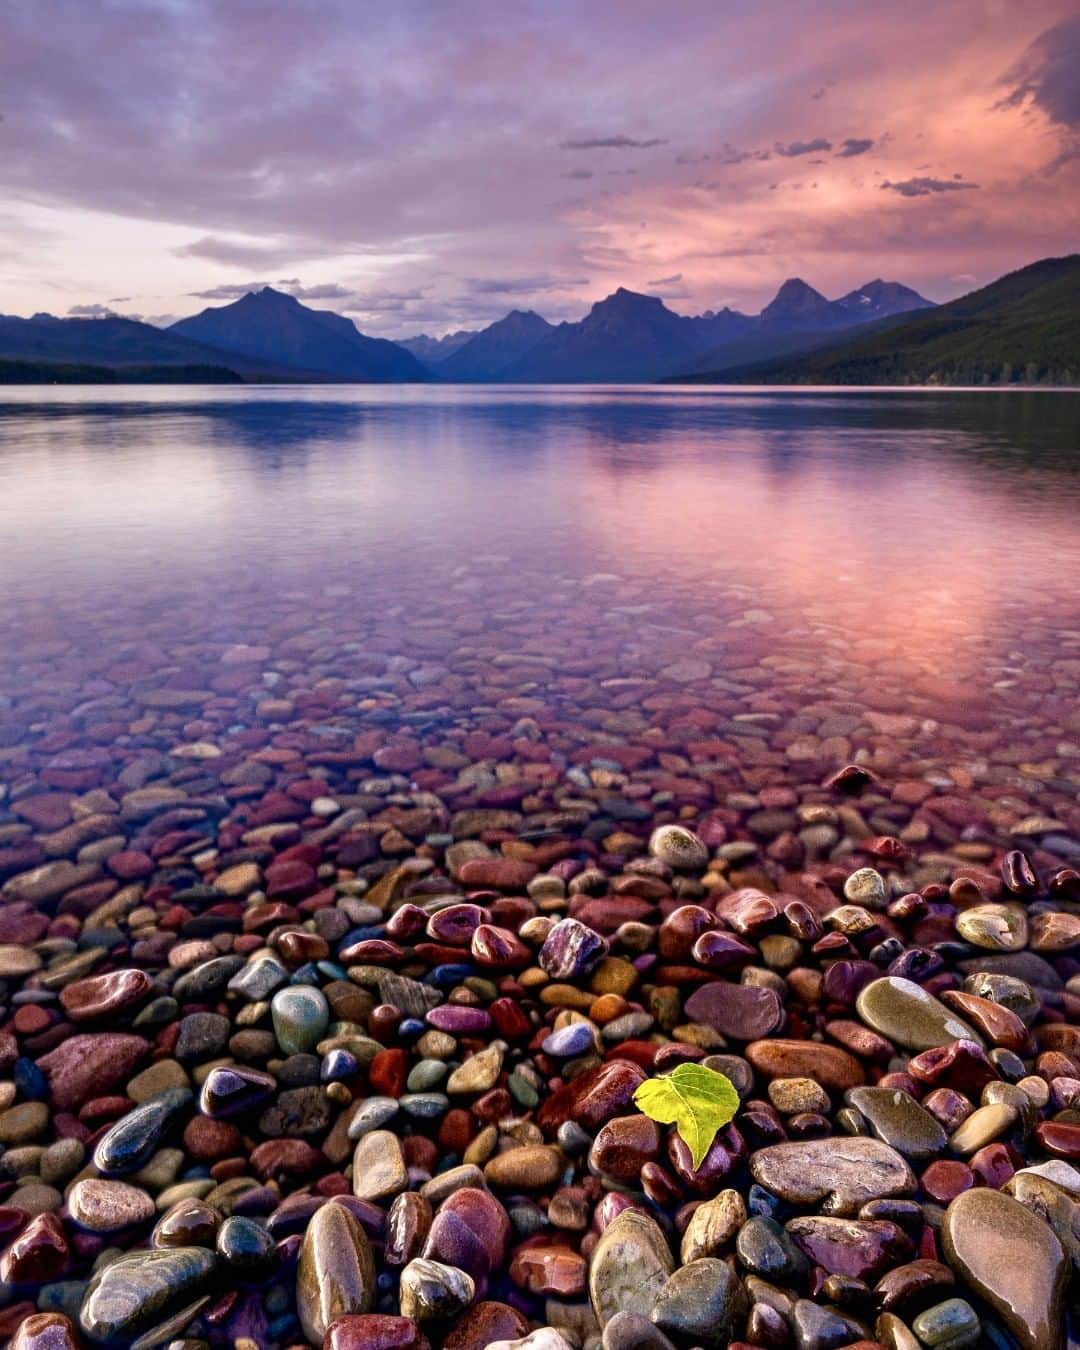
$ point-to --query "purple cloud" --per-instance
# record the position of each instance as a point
(925, 187)
(1047, 75)
(611, 143)
(855, 145)
(795, 148)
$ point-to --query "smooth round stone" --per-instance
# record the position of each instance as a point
(19, 1124)
(984, 1125)
(766, 1250)
(336, 1273)
(246, 1246)
(623, 1147)
(828, 1065)
(379, 1168)
(681, 849)
(630, 1265)
(703, 1303)
(743, 1012)
(133, 1140)
(791, 1096)
(952, 1325)
(566, 1042)
(375, 1331)
(909, 1015)
(432, 1292)
(108, 1206)
(17, 961)
(101, 996)
(839, 1174)
(301, 1016)
(1011, 1258)
(188, 1223)
(898, 1120)
(713, 1224)
(866, 887)
(532, 1167)
(997, 928)
(140, 1289)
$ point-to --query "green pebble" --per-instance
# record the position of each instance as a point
(522, 1091)
(951, 1325)
(426, 1075)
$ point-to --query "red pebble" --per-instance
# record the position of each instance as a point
(945, 1179)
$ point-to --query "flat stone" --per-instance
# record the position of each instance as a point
(839, 1174)
(19, 1124)
(1012, 1259)
(140, 1289)
(909, 1015)
(375, 1331)
(108, 1206)
(743, 1012)
(532, 1167)
(336, 1273)
(630, 1265)
(101, 996)
(703, 1302)
(17, 962)
(828, 1065)
(379, 1169)
(897, 1119)
(91, 1065)
(862, 1249)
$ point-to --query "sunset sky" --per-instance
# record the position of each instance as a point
(423, 165)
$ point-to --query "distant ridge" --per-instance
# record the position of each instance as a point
(1021, 329)
(270, 326)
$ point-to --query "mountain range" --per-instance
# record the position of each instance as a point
(1021, 327)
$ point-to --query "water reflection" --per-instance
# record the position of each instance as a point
(860, 530)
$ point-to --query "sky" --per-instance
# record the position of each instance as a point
(423, 166)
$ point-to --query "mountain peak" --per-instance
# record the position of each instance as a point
(795, 300)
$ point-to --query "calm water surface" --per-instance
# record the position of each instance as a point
(772, 564)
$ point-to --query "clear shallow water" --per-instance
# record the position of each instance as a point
(429, 554)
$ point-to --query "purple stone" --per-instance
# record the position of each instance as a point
(571, 949)
(458, 1019)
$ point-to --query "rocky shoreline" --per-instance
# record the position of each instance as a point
(324, 999)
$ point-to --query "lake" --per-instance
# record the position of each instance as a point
(745, 589)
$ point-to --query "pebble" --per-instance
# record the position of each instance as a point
(839, 1174)
(138, 1290)
(1011, 1258)
(108, 1206)
(336, 1273)
(897, 1119)
(630, 1265)
(910, 1015)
